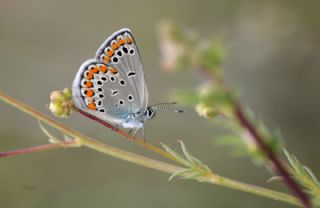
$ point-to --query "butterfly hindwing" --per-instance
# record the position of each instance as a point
(94, 91)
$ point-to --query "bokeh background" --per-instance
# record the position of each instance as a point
(273, 58)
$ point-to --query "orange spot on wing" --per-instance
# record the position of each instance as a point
(120, 41)
(106, 59)
(103, 68)
(90, 75)
(92, 105)
(94, 69)
(110, 53)
(115, 46)
(113, 70)
(89, 84)
(128, 40)
(89, 93)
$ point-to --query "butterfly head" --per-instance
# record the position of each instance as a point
(152, 110)
(149, 113)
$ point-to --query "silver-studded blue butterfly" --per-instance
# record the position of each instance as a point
(112, 86)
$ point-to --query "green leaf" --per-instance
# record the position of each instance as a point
(175, 154)
(52, 139)
(178, 173)
(305, 177)
(195, 169)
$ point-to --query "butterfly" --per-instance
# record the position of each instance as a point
(112, 86)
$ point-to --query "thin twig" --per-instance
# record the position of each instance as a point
(38, 148)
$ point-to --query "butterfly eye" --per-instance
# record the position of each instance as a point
(121, 102)
(102, 110)
(112, 78)
(130, 98)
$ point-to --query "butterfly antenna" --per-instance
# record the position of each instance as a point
(162, 106)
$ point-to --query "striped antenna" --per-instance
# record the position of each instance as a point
(164, 106)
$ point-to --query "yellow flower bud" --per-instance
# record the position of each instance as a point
(61, 104)
(206, 111)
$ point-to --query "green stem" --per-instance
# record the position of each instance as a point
(144, 161)
(275, 195)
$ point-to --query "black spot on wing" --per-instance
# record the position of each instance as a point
(114, 92)
(131, 74)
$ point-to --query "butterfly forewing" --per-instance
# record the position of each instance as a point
(120, 50)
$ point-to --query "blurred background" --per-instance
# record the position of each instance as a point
(273, 58)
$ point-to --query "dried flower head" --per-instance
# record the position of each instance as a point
(61, 104)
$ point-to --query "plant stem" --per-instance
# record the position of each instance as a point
(229, 183)
(87, 141)
(277, 165)
(38, 148)
(127, 135)
(141, 160)
(279, 168)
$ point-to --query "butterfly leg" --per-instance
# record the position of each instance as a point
(116, 127)
(144, 134)
(131, 134)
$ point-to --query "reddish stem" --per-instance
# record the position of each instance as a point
(127, 135)
(278, 167)
(38, 148)
(104, 123)
(277, 164)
